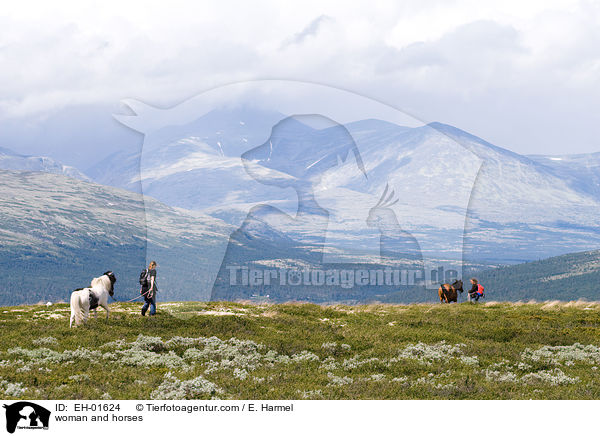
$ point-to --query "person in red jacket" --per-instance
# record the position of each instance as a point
(476, 291)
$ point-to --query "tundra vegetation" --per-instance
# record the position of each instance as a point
(196, 350)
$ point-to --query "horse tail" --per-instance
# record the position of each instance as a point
(75, 308)
(443, 292)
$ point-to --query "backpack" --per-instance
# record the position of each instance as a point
(480, 290)
(144, 278)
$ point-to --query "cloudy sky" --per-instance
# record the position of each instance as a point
(524, 75)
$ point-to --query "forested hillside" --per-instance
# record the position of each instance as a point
(568, 277)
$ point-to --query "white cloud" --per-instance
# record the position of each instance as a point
(521, 74)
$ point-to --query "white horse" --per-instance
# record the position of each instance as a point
(85, 299)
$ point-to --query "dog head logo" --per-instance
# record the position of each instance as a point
(296, 149)
(26, 415)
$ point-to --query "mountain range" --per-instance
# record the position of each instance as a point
(511, 208)
(302, 191)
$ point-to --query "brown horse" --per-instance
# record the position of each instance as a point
(448, 294)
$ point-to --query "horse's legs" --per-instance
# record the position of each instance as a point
(106, 308)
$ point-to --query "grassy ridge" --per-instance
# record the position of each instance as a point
(295, 351)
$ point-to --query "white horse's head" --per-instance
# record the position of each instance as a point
(107, 281)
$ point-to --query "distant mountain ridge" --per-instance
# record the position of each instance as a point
(582, 171)
(521, 207)
(9, 160)
(58, 233)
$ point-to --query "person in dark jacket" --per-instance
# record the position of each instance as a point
(474, 292)
(149, 290)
